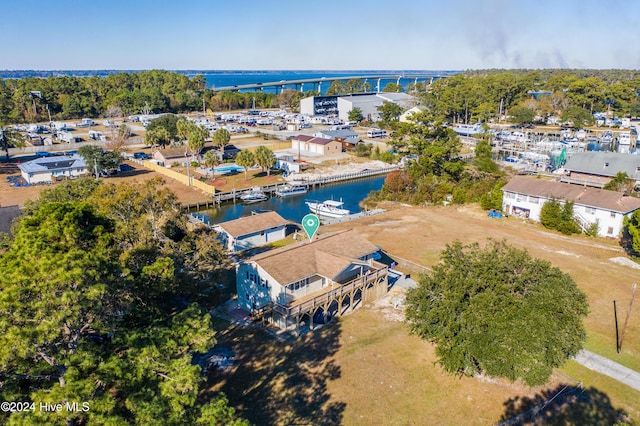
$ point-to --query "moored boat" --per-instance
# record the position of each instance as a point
(328, 208)
(291, 190)
(254, 195)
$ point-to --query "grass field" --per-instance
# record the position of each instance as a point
(367, 370)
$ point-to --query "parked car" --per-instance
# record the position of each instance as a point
(43, 154)
(141, 155)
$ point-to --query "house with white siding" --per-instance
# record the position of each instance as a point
(524, 197)
(52, 169)
(311, 282)
(252, 231)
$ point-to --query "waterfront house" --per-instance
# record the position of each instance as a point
(524, 197)
(171, 156)
(287, 163)
(598, 168)
(52, 169)
(311, 282)
(306, 145)
(252, 231)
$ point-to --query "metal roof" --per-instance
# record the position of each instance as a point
(48, 164)
(604, 164)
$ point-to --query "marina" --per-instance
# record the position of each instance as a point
(294, 208)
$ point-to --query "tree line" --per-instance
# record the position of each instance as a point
(104, 298)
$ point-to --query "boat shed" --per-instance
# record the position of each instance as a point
(252, 231)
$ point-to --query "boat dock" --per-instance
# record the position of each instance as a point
(234, 195)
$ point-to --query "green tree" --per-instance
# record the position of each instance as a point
(392, 87)
(168, 122)
(620, 183)
(579, 116)
(221, 138)
(498, 311)
(265, 158)
(555, 215)
(246, 159)
(522, 115)
(157, 136)
(211, 159)
(632, 229)
(389, 112)
(493, 199)
(355, 114)
(98, 160)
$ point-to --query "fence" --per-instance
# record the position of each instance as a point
(187, 180)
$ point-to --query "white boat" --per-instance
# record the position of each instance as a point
(291, 190)
(328, 208)
(254, 195)
(468, 129)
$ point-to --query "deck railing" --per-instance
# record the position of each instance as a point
(329, 294)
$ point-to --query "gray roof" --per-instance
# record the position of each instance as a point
(604, 164)
(580, 195)
(339, 134)
(60, 162)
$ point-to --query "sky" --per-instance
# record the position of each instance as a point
(319, 35)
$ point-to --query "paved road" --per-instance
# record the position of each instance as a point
(609, 368)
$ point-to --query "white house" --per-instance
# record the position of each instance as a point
(524, 197)
(311, 282)
(51, 169)
(252, 231)
(287, 163)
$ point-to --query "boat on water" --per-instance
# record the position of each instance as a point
(328, 208)
(291, 190)
(254, 195)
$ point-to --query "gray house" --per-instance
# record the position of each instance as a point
(252, 231)
(598, 168)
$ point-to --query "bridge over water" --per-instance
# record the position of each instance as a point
(316, 83)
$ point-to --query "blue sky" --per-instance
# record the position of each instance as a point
(319, 35)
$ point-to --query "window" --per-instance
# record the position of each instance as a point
(590, 210)
(613, 215)
(533, 200)
(610, 230)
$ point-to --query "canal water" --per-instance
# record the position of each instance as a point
(294, 208)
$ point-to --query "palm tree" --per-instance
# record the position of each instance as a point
(265, 158)
(221, 137)
(245, 159)
(211, 159)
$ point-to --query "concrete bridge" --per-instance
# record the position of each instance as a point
(316, 83)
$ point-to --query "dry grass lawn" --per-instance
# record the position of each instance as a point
(365, 369)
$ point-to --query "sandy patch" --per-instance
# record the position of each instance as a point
(625, 262)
